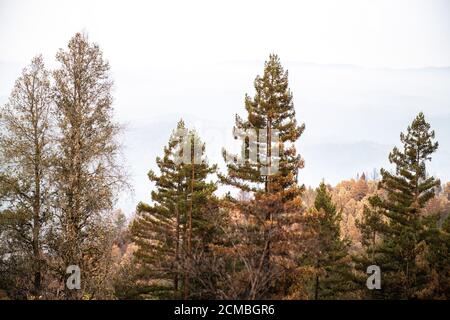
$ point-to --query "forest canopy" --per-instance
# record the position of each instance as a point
(61, 173)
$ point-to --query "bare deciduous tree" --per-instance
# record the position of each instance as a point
(89, 174)
(26, 153)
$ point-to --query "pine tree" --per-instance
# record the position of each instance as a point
(272, 178)
(271, 109)
(168, 230)
(328, 250)
(370, 225)
(434, 257)
(401, 224)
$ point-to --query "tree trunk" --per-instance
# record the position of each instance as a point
(36, 203)
(267, 232)
(177, 248)
(186, 286)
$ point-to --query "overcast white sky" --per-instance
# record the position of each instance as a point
(197, 59)
(399, 33)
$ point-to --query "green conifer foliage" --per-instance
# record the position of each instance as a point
(400, 221)
(271, 108)
(328, 250)
(274, 192)
(166, 230)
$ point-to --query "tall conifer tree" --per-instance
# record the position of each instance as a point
(271, 109)
(401, 225)
(167, 230)
(275, 191)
